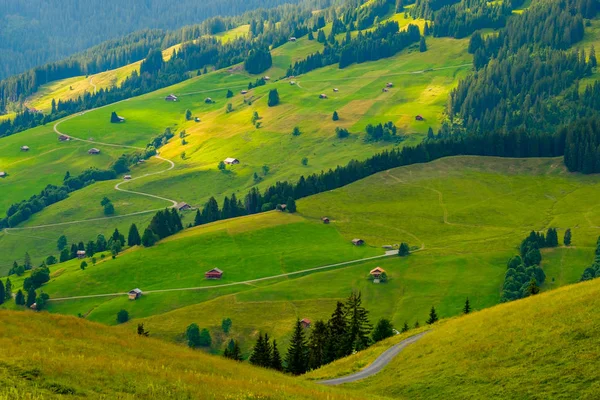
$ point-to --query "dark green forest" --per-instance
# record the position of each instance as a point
(35, 32)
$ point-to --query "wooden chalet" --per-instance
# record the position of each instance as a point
(419, 118)
(134, 294)
(63, 138)
(208, 100)
(24, 148)
(376, 273)
(358, 242)
(322, 96)
(385, 90)
(80, 254)
(182, 206)
(93, 150)
(231, 161)
(171, 97)
(325, 220)
(305, 322)
(214, 273)
(127, 177)
(389, 84)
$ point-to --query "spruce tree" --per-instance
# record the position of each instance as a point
(198, 218)
(133, 238)
(358, 323)
(417, 324)
(567, 238)
(338, 330)
(19, 298)
(149, 238)
(404, 250)
(533, 288)
(422, 45)
(290, 205)
(383, 330)
(319, 338)
(467, 307)
(335, 116)
(592, 59)
(192, 334)
(276, 358)
(2, 292)
(31, 297)
(433, 318)
(233, 351)
(261, 355)
(405, 327)
(8, 289)
(273, 98)
(297, 354)
(27, 261)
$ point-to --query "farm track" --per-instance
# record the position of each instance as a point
(248, 282)
(116, 187)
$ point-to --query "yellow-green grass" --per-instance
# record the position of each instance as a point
(85, 360)
(541, 347)
(233, 33)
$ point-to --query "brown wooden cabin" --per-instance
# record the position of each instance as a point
(214, 273)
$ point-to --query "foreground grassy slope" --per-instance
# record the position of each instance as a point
(538, 348)
(120, 365)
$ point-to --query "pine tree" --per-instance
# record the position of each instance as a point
(19, 298)
(192, 334)
(133, 238)
(338, 330)
(405, 327)
(467, 307)
(8, 289)
(61, 243)
(593, 62)
(290, 205)
(358, 323)
(261, 354)
(149, 238)
(273, 98)
(122, 316)
(383, 330)
(233, 351)
(404, 250)
(319, 338)
(27, 261)
(433, 318)
(311, 36)
(2, 292)
(335, 116)
(297, 355)
(276, 358)
(141, 331)
(31, 297)
(567, 238)
(417, 324)
(422, 45)
(198, 218)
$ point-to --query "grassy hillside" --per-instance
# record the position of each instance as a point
(358, 102)
(541, 347)
(119, 364)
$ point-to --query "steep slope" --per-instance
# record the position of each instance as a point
(48, 357)
(541, 347)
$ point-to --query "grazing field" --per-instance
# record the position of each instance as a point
(195, 177)
(120, 364)
(544, 346)
(465, 215)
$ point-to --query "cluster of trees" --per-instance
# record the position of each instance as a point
(29, 285)
(196, 337)
(164, 223)
(381, 132)
(524, 274)
(22, 211)
(258, 60)
(593, 271)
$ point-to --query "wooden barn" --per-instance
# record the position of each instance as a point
(80, 254)
(2, 174)
(419, 118)
(93, 151)
(182, 206)
(171, 97)
(134, 294)
(231, 161)
(214, 273)
(322, 96)
(325, 220)
(376, 273)
(24, 148)
(305, 322)
(358, 242)
(63, 138)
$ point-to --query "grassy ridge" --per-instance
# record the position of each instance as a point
(119, 364)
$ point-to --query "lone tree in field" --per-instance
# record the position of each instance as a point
(226, 325)
(433, 318)
(405, 327)
(229, 93)
(335, 116)
(467, 307)
(141, 331)
(383, 330)
(122, 316)
(133, 238)
(114, 118)
(192, 334)
(222, 166)
(297, 354)
(567, 239)
(83, 265)
(404, 250)
(273, 98)
(188, 114)
(296, 131)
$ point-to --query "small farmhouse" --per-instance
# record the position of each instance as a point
(266, 78)
(24, 148)
(134, 294)
(231, 161)
(305, 322)
(182, 206)
(385, 90)
(419, 118)
(63, 138)
(377, 274)
(93, 150)
(197, 119)
(208, 100)
(325, 220)
(171, 97)
(281, 207)
(336, 89)
(358, 242)
(80, 254)
(127, 177)
(389, 84)
(244, 92)
(322, 96)
(214, 273)
(2, 174)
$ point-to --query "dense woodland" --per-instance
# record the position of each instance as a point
(35, 32)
